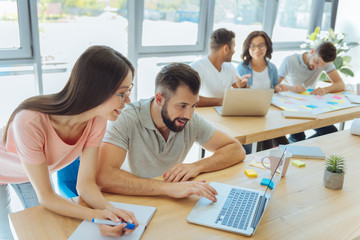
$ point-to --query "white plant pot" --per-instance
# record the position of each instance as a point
(333, 181)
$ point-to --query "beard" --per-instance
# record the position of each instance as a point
(171, 124)
(309, 66)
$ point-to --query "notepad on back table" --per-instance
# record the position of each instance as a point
(298, 114)
(89, 230)
(353, 98)
(304, 151)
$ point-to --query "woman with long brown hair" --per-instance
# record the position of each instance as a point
(47, 132)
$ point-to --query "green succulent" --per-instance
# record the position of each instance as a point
(335, 164)
(342, 61)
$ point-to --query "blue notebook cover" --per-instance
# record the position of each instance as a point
(304, 151)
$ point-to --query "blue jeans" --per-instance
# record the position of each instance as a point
(28, 198)
(319, 132)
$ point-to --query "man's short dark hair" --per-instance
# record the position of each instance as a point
(327, 51)
(221, 37)
(174, 75)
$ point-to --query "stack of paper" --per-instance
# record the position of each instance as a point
(304, 151)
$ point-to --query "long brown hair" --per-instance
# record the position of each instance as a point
(96, 75)
(246, 46)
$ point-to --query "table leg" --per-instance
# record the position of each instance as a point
(254, 147)
(201, 152)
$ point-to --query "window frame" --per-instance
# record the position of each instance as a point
(270, 14)
(171, 49)
(25, 50)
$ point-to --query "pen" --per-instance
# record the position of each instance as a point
(108, 222)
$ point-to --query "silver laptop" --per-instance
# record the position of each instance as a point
(237, 209)
(245, 102)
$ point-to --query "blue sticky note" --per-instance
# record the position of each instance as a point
(309, 89)
(312, 106)
(333, 103)
(267, 182)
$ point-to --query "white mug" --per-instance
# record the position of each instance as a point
(274, 157)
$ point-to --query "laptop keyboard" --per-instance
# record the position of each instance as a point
(237, 209)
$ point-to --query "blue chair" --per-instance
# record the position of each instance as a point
(67, 179)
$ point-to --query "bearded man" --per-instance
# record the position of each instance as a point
(156, 134)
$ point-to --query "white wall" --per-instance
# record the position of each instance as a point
(347, 21)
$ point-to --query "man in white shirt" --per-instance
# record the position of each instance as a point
(216, 71)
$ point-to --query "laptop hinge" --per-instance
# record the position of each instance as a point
(260, 210)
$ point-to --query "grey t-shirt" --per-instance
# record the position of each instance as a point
(149, 155)
(295, 71)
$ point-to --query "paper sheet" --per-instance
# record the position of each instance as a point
(290, 101)
(89, 230)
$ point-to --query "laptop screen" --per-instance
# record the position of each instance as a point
(276, 176)
(269, 191)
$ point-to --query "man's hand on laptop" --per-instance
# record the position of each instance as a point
(181, 173)
(185, 189)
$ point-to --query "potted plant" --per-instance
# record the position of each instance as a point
(342, 61)
(334, 172)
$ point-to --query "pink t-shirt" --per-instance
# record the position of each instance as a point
(32, 138)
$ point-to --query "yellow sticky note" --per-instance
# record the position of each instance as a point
(250, 173)
(298, 163)
(306, 93)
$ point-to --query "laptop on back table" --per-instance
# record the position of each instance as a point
(245, 102)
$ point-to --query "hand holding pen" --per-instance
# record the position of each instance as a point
(299, 88)
(119, 222)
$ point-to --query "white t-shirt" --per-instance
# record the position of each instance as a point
(213, 82)
(261, 80)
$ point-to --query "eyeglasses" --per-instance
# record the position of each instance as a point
(261, 46)
(125, 95)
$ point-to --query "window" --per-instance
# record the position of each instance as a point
(293, 20)
(170, 23)
(239, 16)
(68, 28)
(147, 70)
(14, 21)
(170, 26)
(326, 19)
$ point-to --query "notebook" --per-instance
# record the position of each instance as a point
(231, 214)
(304, 151)
(299, 114)
(353, 98)
(89, 230)
(245, 102)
